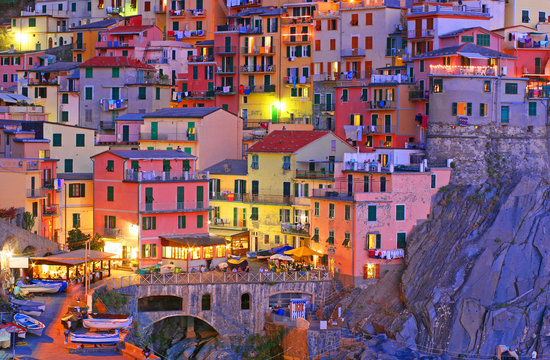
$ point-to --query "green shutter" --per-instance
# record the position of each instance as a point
(106, 222)
(71, 190)
(154, 222)
(80, 140)
(532, 108)
(306, 190)
(401, 240)
(115, 72)
(110, 193)
(142, 93)
(154, 250)
(89, 72)
(199, 221)
(469, 109)
(378, 241)
(82, 190)
(181, 195)
(149, 195)
(68, 165)
(157, 93)
(400, 212)
(455, 109)
(433, 184)
(56, 139)
(296, 189)
(75, 221)
(372, 213)
(235, 215)
(64, 116)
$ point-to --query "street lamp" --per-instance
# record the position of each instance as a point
(20, 37)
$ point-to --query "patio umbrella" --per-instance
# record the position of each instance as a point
(302, 252)
(281, 257)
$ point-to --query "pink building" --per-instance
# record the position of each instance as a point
(361, 223)
(11, 62)
(122, 40)
(152, 205)
(126, 136)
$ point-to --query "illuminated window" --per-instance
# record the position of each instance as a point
(220, 251)
(463, 109)
(371, 271)
(437, 85)
(374, 241)
(196, 253)
(208, 252)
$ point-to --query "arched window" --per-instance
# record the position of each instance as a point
(206, 302)
(245, 301)
(61, 40)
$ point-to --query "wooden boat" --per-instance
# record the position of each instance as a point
(107, 321)
(264, 254)
(95, 338)
(32, 325)
(50, 282)
(26, 307)
(41, 287)
(251, 254)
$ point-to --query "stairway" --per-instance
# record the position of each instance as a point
(125, 267)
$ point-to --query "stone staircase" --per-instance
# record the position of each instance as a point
(125, 267)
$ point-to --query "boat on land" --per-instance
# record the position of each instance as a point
(95, 338)
(32, 325)
(107, 321)
(26, 307)
(41, 287)
(51, 282)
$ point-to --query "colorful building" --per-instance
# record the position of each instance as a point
(86, 36)
(211, 134)
(525, 12)
(171, 206)
(33, 31)
(13, 61)
(76, 204)
(126, 136)
(361, 223)
(123, 39)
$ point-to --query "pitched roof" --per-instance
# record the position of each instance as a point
(150, 154)
(130, 117)
(229, 167)
(128, 29)
(76, 176)
(115, 61)
(286, 141)
(465, 48)
(57, 66)
(191, 112)
(460, 31)
(98, 24)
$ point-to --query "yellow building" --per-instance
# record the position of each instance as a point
(76, 204)
(39, 32)
(86, 36)
(284, 168)
(526, 12)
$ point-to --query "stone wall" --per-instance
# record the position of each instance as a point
(323, 342)
(17, 240)
(226, 315)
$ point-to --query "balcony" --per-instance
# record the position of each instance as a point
(421, 33)
(226, 196)
(257, 68)
(296, 39)
(157, 61)
(257, 89)
(378, 129)
(176, 12)
(247, 30)
(37, 193)
(199, 58)
(342, 191)
(165, 176)
(389, 79)
(43, 82)
(229, 28)
(456, 9)
(112, 233)
(114, 44)
(247, 3)
(209, 94)
(262, 50)
(114, 10)
(268, 199)
(463, 70)
(294, 20)
(168, 207)
(224, 50)
(113, 104)
(21, 109)
(297, 229)
(50, 210)
(324, 107)
(416, 94)
(186, 34)
(224, 90)
(107, 125)
(319, 175)
(381, 105)
(197, 13)
(149, 80)
(291, 80)
(225, 70)
(352, 52)
(171, 136)
(48, 184)
(396, 52)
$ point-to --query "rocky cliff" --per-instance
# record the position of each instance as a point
(477, 273)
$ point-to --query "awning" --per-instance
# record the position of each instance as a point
(75, 257)
(7, 98)
(473, 55)
(228, 232)
(20, 97)
(192, 240)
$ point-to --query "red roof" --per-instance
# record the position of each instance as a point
(286, 141)
(115, 61)
(128, 29)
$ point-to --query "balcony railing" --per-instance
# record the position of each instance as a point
(325, 107)
(199, 58)
(114, 44)
(417, 94)
(258, 50)
(43, 81)
(197, 13)
(352, 52)
(456, 9)
(165, 176)
(149, 80)
(293, 20)
(300, 229)
(381, 105)
(322, 175)
(225, 70)
(174, 206)
(257, 68)
(377, 129)
(113, 104)
(296, 39)
(225, 49)
(463, 70)
(422, 33)
(250, 30)
(224, 90)
(268, 199)
(48, 184)
(396, 52)
(111, 233)
(171, 136)
(37, 193)
(50, 210)
(342, 191)
(291, 80)
(247, 3)
(226, 196)
(258, 89)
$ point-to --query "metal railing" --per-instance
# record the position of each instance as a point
(166, 136)
(225, 49)
(215, 277)
(268, 199)
(197, 13)
(293, 20)
(422, 33)
(37, 193)
(198, 58)
(396, 52)
(225, 69)
(257, 68)
(417, 94)
(352, 52)
(306, 174)
(50, 210)
(296, 38)
(111, 232)
(156, 176)
(174, 206)
(382, 104)
(226, 196)
(289, 228)
(342, 188)
(258, 50)
(463, 70)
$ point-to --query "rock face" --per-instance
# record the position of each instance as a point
(477, 274)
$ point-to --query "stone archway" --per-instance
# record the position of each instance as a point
(29, 250)
(11, 244)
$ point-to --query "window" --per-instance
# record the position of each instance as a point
(331, 211)
(317, 45)
(504, 114)
(374, 241)
(437, 85)
(32, 22)
(110, 193)
(482, 109)
(110, 165)
(347, 212)
(115, 72)
(182, 222)
(344, 97)
(483, 40)
(56, 139)
(175, 25)
(89, 90)
(371, 271)
(254, 215)
(245, 301)
(80, 140)
(316, 99)
(487, 86)
(77, 190)
(142, 93)
(35, 209)
(149, 223)
(371, 213)
(542, 16)
(65, 98)
(73, 7)
(199, 221)
(401, 240)
(524, 16)
(368, 19)
(149, 250)
(347, 240)
(434, 181)
(255, 162)
(315, 235)
(462, 109)
(89, 73)
(399, 212)
(316, 208)
(286, 162)
(330, 239)
(332, 44)
(206, 302)
(110, 222)
(76, 220)
(68, 165)
(368, 42)
(532, 108)
(467, 39)
(354, 19)
(421, 65)
(511, 88)
(332, 24)
(157, 93)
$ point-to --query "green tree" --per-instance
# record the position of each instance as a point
(77, 240)
(28, 221)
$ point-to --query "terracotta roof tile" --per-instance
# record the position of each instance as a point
(115, 61)
(286, 141)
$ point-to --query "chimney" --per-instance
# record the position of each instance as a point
(226, 167)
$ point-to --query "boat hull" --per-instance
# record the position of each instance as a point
(107, 324)
(48, 283)
(33, 313)
(32, 325)
(39, 288)
(95, 339)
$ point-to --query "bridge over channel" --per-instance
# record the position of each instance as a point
(232, 303)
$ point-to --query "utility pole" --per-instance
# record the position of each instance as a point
(86, 254)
